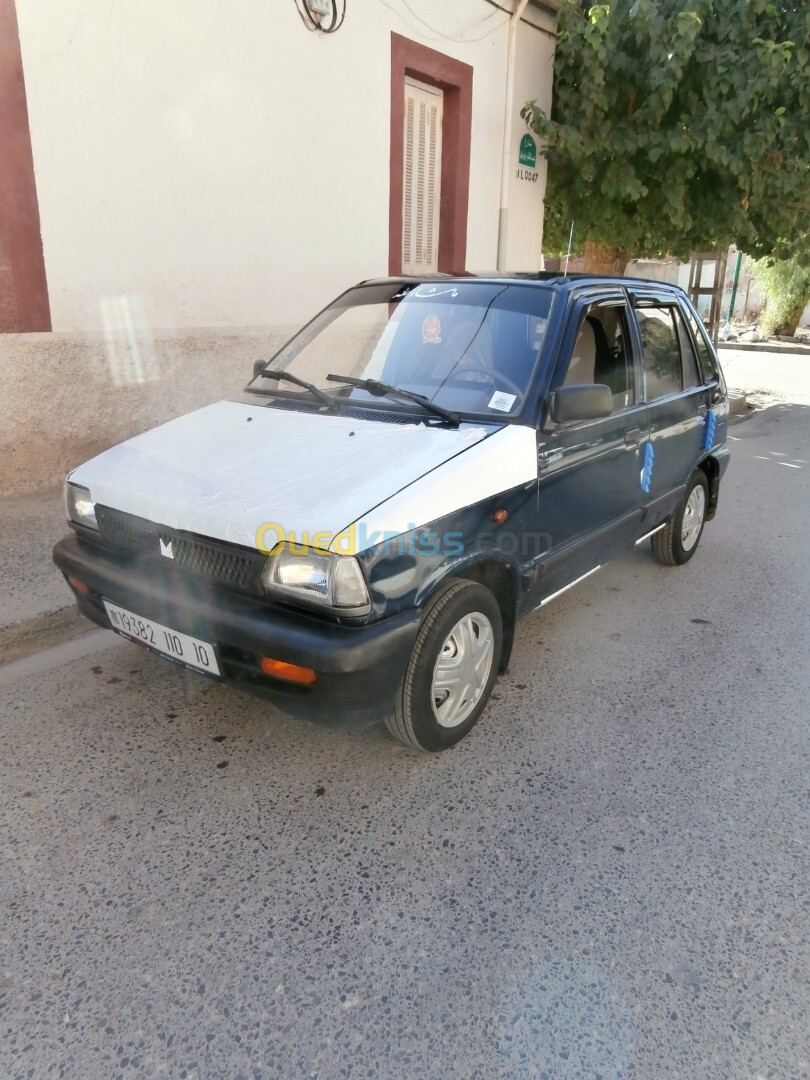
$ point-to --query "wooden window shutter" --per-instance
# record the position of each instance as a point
(421, 187)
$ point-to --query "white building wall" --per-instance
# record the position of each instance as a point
(534, 71)
(220, 165)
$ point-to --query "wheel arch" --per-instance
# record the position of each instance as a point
(711, 468)
(501, 578)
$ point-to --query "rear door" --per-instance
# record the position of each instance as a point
(677, 396)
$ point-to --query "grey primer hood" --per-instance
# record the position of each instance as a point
(231, 468)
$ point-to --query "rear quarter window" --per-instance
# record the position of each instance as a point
(706, 357)
(692, 375)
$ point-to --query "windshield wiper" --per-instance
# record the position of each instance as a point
(381, 389)
(287, 376)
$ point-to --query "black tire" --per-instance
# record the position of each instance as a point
(461, 611)
(668, 543)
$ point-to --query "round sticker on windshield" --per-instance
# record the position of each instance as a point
(432, 331)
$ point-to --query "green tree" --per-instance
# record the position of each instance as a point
(786, 285)
(677, 126)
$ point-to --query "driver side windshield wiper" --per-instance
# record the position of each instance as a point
(287, 376)
(381, 389)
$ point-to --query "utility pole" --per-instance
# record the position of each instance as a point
(734, 287)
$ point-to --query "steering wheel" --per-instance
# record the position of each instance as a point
(497, 378)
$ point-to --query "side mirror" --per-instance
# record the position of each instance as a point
(258, 365)
(581, 402)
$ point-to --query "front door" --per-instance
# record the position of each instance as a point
(590, 494)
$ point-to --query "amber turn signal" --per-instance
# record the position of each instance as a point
(500, 516)
(291, 672)
(79, 586)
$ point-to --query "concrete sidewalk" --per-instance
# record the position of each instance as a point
(771, 346)
(36, 606)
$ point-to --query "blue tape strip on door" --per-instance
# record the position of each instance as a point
(647, 468)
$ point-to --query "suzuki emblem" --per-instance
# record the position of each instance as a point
(166, 550)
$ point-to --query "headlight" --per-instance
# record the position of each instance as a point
(79, 506)
(334, 581)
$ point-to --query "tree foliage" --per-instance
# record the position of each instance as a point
(679, 125)
(786, 285)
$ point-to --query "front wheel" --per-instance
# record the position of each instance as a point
(452, 669)
(677, 542)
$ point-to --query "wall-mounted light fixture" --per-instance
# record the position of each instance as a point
(321, 15)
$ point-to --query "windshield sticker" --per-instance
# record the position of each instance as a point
(434, 290)
(403, 292)
(432, 330)
(501, 401)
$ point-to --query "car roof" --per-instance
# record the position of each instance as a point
(547, 278)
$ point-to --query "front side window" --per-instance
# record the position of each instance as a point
(470, 347)
(601, 353)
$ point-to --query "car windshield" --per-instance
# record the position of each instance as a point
(470, 347)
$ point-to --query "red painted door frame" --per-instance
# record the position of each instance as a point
(24, 302)
(455, 79)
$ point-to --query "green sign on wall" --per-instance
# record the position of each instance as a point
(528, 152)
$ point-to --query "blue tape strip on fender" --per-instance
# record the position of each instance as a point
(708, 436)
(647, 468)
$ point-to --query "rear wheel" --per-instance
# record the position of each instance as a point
(452, 669)
(677, 542)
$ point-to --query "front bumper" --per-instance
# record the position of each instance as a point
(358, 667)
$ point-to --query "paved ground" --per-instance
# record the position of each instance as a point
(36, 606)
(29, 527)
(768, 377)
(609, 877)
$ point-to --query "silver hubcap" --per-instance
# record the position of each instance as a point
(462, 669)
(693, 517)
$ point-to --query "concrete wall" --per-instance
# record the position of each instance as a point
(534, 73)
(73, 395)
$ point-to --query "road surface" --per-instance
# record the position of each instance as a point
(607, 878)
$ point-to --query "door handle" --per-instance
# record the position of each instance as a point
(632, 437)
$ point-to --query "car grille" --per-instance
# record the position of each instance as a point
(238, 567)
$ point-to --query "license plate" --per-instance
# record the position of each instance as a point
(180, 647)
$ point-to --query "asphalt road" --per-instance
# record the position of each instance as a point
(608, 878)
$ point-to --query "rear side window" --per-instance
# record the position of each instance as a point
(662, 352)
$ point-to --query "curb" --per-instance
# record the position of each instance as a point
(764, 346)
(28, 636)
